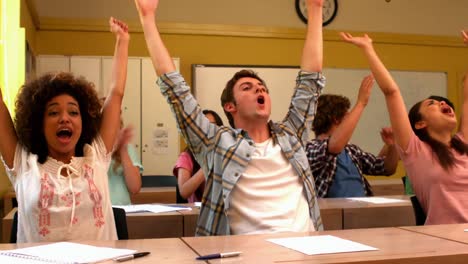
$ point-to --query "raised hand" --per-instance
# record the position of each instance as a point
(387, 136)
(146, 7)
(362, 42)
(365, 89)
(124, 138)
(119, 28)
(465, 36)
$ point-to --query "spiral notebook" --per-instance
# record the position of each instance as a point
(62, 253)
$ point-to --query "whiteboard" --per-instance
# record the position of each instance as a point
(209, 81)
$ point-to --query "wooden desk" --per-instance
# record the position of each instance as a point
(154, 195)
(150, 225)
(387, 187)
(395, 246)
(190, 220)
(453, 232)
(357, 214)
(168, 250)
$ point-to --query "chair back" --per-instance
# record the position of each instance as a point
(120, 218)
(419, 213)
(14, 228)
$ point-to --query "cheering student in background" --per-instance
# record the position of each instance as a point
(338, 166)
(57, 158)
(190, 177)
(258, 179)
(435, 160)
(125, 169)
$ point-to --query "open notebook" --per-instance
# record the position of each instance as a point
(62, 252)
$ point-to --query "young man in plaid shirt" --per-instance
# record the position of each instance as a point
(258, 179)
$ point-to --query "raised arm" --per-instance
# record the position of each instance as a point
(8, 138)
(188, 184)
(162, 61)
(111, 110)
(131, 172)
(395, 104)
(312, 54)
(344, 131)
(464, 115)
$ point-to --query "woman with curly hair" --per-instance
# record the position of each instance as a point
(337, 165)
(58, 151)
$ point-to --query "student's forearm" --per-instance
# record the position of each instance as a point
(160, 57)
(8, 138)
(312, 54)
(131, 173)
(391, 158)
(188, 187)
(343, 133)
(395, 104)
(380, 72)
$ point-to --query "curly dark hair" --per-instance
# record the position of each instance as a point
(31, 103)
(228, 92)
(330, 109)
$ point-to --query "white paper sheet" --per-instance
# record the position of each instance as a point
(314, 245)
(153, 208)
(376, 200)
(64, 252)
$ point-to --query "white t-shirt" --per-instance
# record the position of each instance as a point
(52, 207)
(269, 195)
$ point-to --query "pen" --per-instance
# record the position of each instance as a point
(219, 255)
(131, 256)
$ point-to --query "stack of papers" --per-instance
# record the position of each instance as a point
(152, 208)
(62, 252)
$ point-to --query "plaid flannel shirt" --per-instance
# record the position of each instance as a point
(224, 152)
(323, 165)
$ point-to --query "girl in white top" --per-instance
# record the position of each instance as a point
(58, 151)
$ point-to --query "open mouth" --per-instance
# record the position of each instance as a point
(64, 134)
(261, 100)
(446, 110)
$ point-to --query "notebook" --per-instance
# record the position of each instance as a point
(62, 253)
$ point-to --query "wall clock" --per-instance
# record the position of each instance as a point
(330, 8)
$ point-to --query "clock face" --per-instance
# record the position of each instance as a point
(330, 7)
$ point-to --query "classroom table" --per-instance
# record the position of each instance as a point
(154, 195)
(167, 250)
(454, 232)
(358, 214)
(394, 245)
(386, 186)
